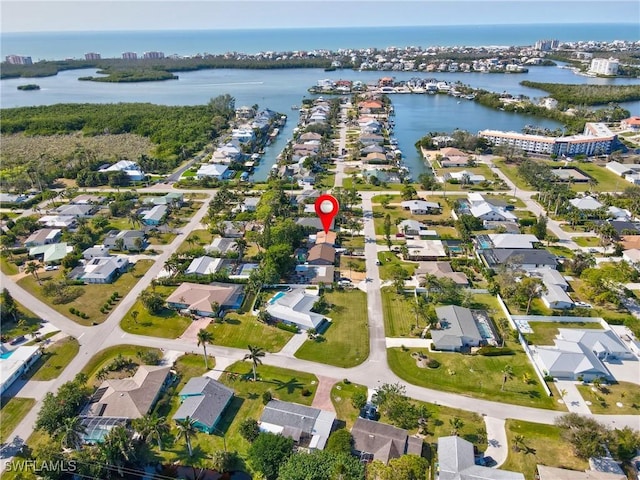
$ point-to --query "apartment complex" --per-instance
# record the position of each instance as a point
(604, 66)
(596, 139)
(92, 56)
(152, 55)
(129, 56)
(18, 60)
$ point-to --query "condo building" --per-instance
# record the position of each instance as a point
(153, 55)
(604, 66)
(129, 56)
(18, 60)
(92, 56)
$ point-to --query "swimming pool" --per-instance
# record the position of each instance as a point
(6, 355)
(276, 297)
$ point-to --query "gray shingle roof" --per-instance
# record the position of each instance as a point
(383, 441)
(205, 402)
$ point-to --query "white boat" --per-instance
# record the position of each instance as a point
(295, 107)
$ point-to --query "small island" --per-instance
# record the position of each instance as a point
(29, 86)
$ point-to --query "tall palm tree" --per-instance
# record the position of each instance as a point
(151, 427)
(187, 429)
(507, 374)
(32, 268)
(255, 354)
(117, 448)
(70, 432)
(456, 424)
(205, 337)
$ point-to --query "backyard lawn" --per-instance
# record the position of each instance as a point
(238, 331)
(13, 411)
(93, 296)
(104, 357)
(511, 171)
(606, 399)
(7, 267)
(399, 321)
(345, 343)
(473, 427)
(55, 359)
(286, 385)
(544, 446)
(388, 260)
(196, 238)
(544, 333)
(474, 375)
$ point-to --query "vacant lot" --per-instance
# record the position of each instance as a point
(346, 341)
(55, 359)
(543, 445)
(238, 331)
(544, 333)
(399, 321)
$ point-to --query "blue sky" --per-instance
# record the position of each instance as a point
(50, 15)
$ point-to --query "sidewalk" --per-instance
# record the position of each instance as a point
(293, 345)
(497, 448)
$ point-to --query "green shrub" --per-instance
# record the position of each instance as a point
(267, 397)
(490, 351)
(287, 327)
(433, 363)
(305, 392)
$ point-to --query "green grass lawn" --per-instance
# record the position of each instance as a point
(544, 333)
(560, 251)
(201, 238)
(511, 171)
(11, 329)
(607, 181)
(605, 401)
(55, 359)
(356, 242)
(161, 238)
(7, 267)
(238, 331)
(399, 321)
(587, 241)
(473, 427)
(105, 356)
(479, 169)
(545, 447)
(474, 375)
(341, 395)
(445, 232)
(361, 187)
(12, 411)
(537, 308)
(505, 197)
(346, 341)
(396, 213)
(93, 296)
(350, 265)
(286, 385)
(388, 260)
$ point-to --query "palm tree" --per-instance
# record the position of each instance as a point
(151, 427)
(134, 315)
(70, 432)
(456, 424)
(507, 374)
(205, 337)
(135, 219)
(241, 247)
(119, 243)
(186, 429)
(255, 353)
(117, 447)
(518, 443)
(32, 268)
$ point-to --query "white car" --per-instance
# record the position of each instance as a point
(48, 268)
(583, 305)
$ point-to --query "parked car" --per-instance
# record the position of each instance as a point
(48, 268)
(17, 340)
(583, 305)
(369, 412)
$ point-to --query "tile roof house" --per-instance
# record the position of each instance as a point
(44, 236)
(204, 400)
(131, 397)
(456, 461)
(328, 238)
(294, 308)
(198, 298)
(323, 254)
(309, 427)
(441, 270)
(378, 441)
(86, 199)
(458, 329)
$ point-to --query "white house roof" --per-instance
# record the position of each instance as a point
(211, 170)
(479, 210)
(551, 276)
(419, 205)
(426, 248)
(295, 307)
(411, 225)
(511, 240)
(11, 364)
(204, 265)
(619, 168)
(632, 255)
(598, 341)
(570, 357)
(103, 267)
(555, 294)
(619, 213)
(586, 203)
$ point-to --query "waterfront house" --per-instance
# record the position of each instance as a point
(204, 400)
(215, 170)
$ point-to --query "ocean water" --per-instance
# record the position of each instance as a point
(60, 45)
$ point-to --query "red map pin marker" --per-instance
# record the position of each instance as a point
(327, 208)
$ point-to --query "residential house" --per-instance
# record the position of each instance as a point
(132, 170)
(243, 135)
(95, 251)
(204, 400)
(411, 227)
(464, 177)
(458, 329)
(233, 229)
(555, 294)
(452, 157)
(118, 400)
(57, 221)
(506, 240)
(13, 363)
(295, 308)
(489, 213)
(310, 136)
(376, 158)
(424, 250)
(322, 254)
(522, 258)
(628, 171)
(155, 216)
(421, 207)
(215, 170)
(373, 148)
(77, 211)
(570, 361)
(631, 123)
(586, 204)
(250, 204)
(100, 269)
(456, 461)
(129, 239)
(44, 236)
(328, 238)
(314, 274)
(87, 199)
(441, 270)
(632, 256)
(12, 198)
(371, 138)
(619, 214)
(605, 465)
(554, 473)
(630, 241)
(172, 199)
(605, 344)
(52, 253)
(198, 298)
(379, 441)
(205, 266)
(222, 246)
(309, 427)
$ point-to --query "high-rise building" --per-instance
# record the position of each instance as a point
(18, 60)
(130, 56)
(153, 55)
(604, 66)
(546, 45)
(92, 56)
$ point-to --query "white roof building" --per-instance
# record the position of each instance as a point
(204, 266)
(586, 203)
(465, 177)
(212, 170)
(294, 307)
(14, 363)
(487, 212)
(511, 240)
(130, 168)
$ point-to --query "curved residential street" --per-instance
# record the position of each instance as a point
(372, 373)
